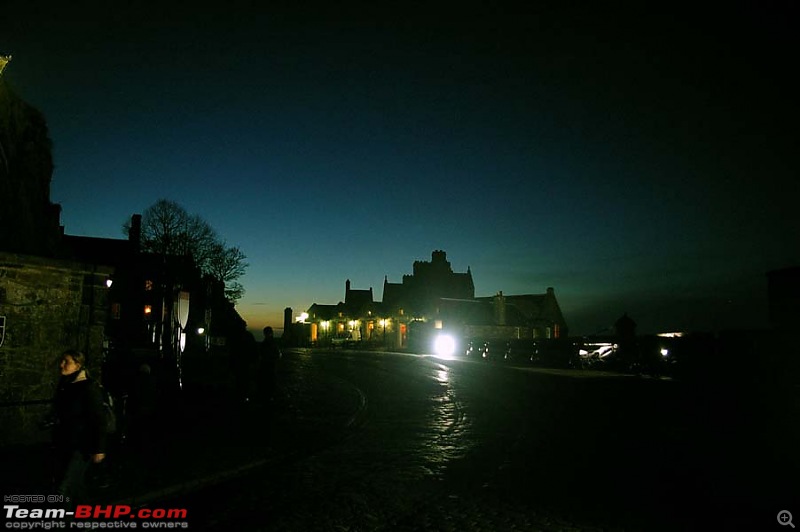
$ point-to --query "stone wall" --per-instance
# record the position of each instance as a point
(49, 306)
(497, 332)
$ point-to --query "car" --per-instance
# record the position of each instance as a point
(342, 340)
(475, 348)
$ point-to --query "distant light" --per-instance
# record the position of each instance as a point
(437, 324)
(670, 335)
(109, 282)
(664, 351)
(148, 309)
(325, 324)
(200, 330)
(302, 318)
(444, 346)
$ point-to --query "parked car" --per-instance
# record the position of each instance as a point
(475, 349)
(519, 351)
(342, 340)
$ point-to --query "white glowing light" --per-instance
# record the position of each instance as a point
(444, 346)
(664, 352)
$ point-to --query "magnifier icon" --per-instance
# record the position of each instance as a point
(785, 518)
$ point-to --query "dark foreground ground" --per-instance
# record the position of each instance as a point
(363, 441)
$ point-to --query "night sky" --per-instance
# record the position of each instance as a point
(637, 157)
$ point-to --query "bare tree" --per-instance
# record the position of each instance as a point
(168, 229)
(228, 264)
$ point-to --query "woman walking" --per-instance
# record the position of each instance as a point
(79, 437)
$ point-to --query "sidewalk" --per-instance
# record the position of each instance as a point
(207, 436)
(210, 437)
(203, 440)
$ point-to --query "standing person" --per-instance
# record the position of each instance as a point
(268, 364)
(142, 401)
(79, 438)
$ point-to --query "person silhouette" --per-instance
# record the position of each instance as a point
(269, 355)
(79, 436)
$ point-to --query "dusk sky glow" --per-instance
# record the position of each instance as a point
(639, 160)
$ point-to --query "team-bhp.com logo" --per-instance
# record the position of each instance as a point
(87, 516)
(85, 511)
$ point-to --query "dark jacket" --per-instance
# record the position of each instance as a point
(269, 354)
(80, 417)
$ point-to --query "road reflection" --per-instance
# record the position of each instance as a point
(447, 428)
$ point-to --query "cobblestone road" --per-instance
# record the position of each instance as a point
(389, 442)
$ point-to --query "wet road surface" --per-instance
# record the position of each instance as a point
(404, 442)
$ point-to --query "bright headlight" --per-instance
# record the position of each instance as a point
(444, 346)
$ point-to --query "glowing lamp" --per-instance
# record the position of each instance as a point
(444, 346)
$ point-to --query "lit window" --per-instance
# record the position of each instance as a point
(148, 285)
(148, 311)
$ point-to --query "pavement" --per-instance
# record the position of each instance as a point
(207, 435)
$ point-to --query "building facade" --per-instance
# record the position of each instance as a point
(49, 302)
(433, 298)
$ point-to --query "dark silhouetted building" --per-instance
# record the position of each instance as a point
(434, 297)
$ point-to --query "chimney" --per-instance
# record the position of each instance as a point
(287, 324)
(499, 309)
(135, 232)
